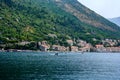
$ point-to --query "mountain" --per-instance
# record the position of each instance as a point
(52, 20)
(115, 20)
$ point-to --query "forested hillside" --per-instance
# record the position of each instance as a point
(53, 21)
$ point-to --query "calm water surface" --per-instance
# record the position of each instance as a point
(70, 66)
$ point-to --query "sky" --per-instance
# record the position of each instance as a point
(106, 8)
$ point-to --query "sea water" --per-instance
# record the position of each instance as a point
(64, 66)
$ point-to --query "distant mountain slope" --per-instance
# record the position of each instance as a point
(85, 15)
(37, 20)
(115, 20)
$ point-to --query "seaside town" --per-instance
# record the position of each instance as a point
(107, 45)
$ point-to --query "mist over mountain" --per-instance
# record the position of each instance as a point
(115, 20)
(52, 20)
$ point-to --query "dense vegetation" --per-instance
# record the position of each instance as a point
(37, 20)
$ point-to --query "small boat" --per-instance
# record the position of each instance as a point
(56, 54)
(82, 52)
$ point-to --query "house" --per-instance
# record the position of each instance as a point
(44, 46)
(44, 43)
(100, 48)
(70, 42)
(82, 43)
(58, 48)
(87, 48)
(112, 49)
(110, 42)
(73, 48)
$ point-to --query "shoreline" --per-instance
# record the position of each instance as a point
(15, 50)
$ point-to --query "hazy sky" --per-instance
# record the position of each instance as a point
(106, 8)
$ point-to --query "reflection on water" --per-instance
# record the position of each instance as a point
(71, 66)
